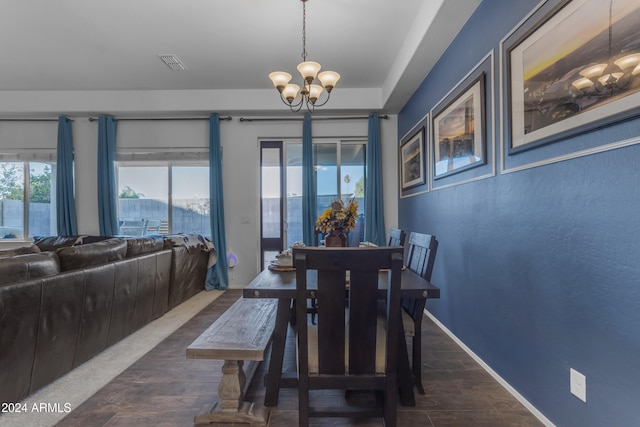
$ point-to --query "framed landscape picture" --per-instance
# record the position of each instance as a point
(412, 163)
(458, 129)
(571, 67)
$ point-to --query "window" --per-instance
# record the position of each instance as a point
(163, 197)
(340, 173)
(27, 198)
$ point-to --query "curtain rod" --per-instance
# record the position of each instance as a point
(266, 119)
(29, 120)
(93, 119)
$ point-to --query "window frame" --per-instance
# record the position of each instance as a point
(169, 164)
(26, 196)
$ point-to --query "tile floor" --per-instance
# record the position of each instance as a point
(164, 388)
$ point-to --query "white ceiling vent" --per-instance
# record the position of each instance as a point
(172, 62)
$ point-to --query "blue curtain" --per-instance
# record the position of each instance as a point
(217, 275)
(374, 230)
(309, 215)
(107, 196)
(67, 222)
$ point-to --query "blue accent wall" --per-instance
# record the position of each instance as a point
(539, 269)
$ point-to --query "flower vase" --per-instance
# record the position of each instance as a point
(335, 238)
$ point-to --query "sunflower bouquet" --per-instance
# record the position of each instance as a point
(338, 217)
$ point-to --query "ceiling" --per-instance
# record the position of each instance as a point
(83, 48)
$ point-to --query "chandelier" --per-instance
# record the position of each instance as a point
(313, 83)
(605, 77)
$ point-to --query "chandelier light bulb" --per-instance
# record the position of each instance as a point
(609, 80)
(328, 79)
(280, 79)
(314, 93)
(628, 61)
(594, 71)
(290, 92)
(308, 70)
(582, 83)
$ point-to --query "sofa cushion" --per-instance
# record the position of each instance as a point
(53, 243)
(91, 239)
(19, 251)
(12, 270)
(41, 264)
(28, 266)
(90, 254)
(144, 245)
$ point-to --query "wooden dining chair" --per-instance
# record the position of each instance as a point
(421, 256)
(348, 349)
(396, 237)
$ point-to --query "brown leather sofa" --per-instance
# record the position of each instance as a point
(189, 260)
(64, 300)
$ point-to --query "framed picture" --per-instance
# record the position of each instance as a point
(570, 67)
(412, 164)
(458, 128)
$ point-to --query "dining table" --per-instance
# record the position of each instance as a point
(281, 285)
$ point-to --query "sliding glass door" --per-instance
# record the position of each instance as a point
(340, 174)
(271, 201)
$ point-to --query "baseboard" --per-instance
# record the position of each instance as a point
(493, 373)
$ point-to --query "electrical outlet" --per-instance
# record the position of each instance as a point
(578, 383)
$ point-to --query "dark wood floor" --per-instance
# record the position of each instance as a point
(164, 388)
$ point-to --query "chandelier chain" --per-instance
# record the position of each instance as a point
(304, 30)
(610, 26)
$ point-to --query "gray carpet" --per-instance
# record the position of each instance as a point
(52, 403)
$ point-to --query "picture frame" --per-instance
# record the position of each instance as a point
(458, 126)
(569, 68)
(412, 160)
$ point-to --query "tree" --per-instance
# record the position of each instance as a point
(359, 191)
(129, 193)
(41, 187)
(11, 182)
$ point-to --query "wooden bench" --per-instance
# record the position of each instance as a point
(242, 333)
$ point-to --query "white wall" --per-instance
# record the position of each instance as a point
(240, 169)
(241, 179)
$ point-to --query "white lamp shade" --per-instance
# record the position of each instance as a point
(594, 71)
(314, 92)
(290, 92)
(628, 61)
(308, 70)
(610, 79)
(582, 83)
(329, 79)
(280, 79)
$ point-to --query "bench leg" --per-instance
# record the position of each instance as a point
(278, 344)
(231, 408)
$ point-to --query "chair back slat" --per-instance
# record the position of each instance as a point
(331, 320)
(363, 314)
(422, 253)
(396, 237)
